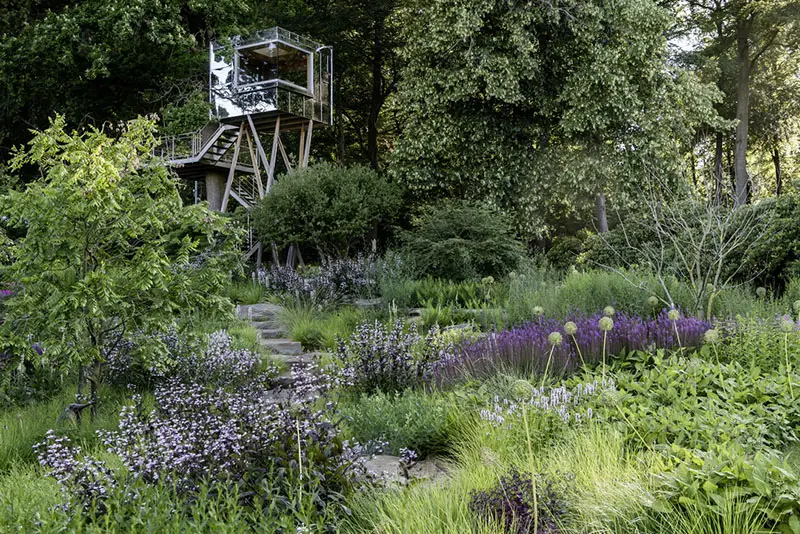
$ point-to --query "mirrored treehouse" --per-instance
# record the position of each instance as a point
(261, 87)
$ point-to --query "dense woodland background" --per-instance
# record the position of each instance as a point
(552, 111)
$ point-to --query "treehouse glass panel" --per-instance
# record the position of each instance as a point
(271, 71)
(276, 62)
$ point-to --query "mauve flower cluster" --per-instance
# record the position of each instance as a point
(511, 503)
(83, 479)
(197, 435)
(213, 362)
(378, 358)
(335, 280)
(527, 348)
(558, 401)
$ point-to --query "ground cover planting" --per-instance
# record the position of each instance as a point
(400, 267)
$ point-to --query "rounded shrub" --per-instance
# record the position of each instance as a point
(331, 208)
(460, 240)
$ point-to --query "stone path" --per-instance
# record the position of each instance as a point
(271, 335)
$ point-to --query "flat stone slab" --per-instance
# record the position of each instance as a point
(368, 303)
(386, 468)
(271, 333)
(264, 310)
(285, 347)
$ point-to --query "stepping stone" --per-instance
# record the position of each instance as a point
(279, 346)
(300, 359)
(386, 468)
(257, 312)
(271, 333)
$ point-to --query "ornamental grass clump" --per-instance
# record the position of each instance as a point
(527, 349)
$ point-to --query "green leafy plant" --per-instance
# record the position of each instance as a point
(711, 479)
(460, 241)
(330, 208)
(409, 419)
(109, 250)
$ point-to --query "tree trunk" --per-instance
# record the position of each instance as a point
(376, 100)
(744, 66)
(718, 169)
(600, 212)
(94, 380)
(776, 161)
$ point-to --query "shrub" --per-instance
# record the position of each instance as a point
(288, 457)
(564, 252)
(331, 208)
(410, 420)
(378, 358)
(511, 503)
(459, 240)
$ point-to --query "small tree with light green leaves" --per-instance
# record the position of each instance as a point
(109, 252)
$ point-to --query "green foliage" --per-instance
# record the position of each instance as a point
(102, 60)
(316, 329)
(564, 252)
(245, 292)
(109, 250)
(411, 419)
(716, 478)
(537, 108)
(328, 207)
(22, 427)
(460, 241)
(587, 292)
(693, 402)
(773, 259)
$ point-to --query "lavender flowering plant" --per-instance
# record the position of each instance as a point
(528, 348)
(381, 358)
(332, 282)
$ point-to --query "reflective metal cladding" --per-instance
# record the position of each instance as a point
(272, 70)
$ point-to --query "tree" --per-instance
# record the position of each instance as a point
(776, 107)
(745, 31)
(102, 60)
(366, 37)
(541, 109)
(109, 252)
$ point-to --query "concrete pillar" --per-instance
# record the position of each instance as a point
(215, 188)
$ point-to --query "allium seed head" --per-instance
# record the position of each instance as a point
(711, 336)
(652, 300)
(555, 338)
(609, 311)
(761, 292)
(674, 314)
(570, 328)
(538, 311)
(796, 306)
(606, 324)
(787, 325)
